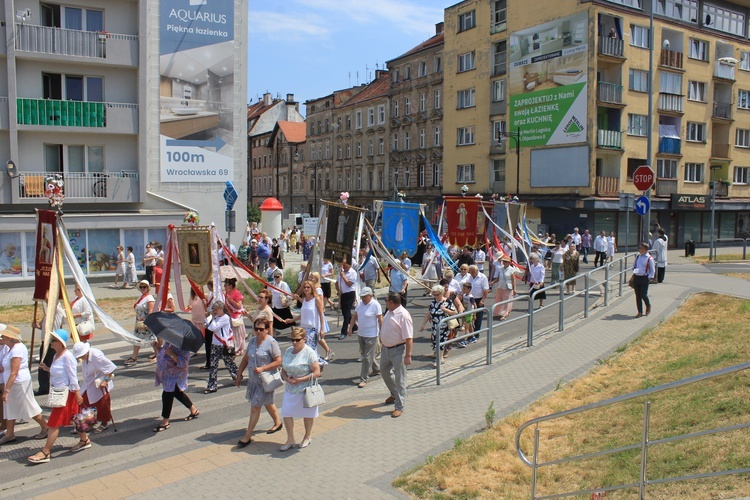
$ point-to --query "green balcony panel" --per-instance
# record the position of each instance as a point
(57, 113)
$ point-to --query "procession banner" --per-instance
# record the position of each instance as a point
(340, 232)
(465, 227)
(46, 242)
(400, 227)
(194, 245)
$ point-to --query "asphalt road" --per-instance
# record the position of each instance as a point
(729, 267)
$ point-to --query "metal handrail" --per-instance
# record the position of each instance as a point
(643, 445)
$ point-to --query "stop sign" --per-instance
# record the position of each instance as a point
(643, 178)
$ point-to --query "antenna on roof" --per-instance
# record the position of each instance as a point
(357, 73)
(350, 78)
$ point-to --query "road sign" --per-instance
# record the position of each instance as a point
(643, 178)
(642, 205)
(626, 201)
(230, 195)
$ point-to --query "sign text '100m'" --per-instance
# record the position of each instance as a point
(184, 157)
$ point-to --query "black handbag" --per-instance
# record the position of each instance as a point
(228, 350)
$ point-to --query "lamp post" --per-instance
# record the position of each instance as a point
(516, 136)
(712, 185)
(314, 166)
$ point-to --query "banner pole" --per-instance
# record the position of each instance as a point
(33, 332)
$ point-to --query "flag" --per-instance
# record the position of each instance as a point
(341, 229)
(461, 214)
(400, 227)
(46, 243)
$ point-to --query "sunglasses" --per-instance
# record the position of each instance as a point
(143, 287)
(298, 340)
(259, 329)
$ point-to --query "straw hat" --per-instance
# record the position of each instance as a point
(10, 331)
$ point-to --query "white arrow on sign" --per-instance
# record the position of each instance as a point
(641, 206)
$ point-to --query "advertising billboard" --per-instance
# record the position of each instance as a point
(548, 82)
(196, 89)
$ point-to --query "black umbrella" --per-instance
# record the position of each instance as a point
(171, 328)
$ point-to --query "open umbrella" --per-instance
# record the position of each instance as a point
(171, 328)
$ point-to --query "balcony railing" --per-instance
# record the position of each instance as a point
(671, 102)
(669, 145)
(607, 185)
(722, 189)
(104, 186)
(609, 92)
(670, 59)
(52, 112)
(722, 110)
(719, 150)
(666, 187)
(117, 48)
(609, 139)
(614, 47)
(724, 70)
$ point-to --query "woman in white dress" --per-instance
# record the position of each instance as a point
(120, 273)
(83, 315)
(611, 246)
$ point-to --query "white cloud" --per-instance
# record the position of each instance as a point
(280, 26)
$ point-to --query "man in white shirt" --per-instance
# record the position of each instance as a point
(397, 337)
(480, 287)
(600, 247)
(346, 286)
(149, 261)
(660, 245)
(368, 315)
(576, 239)
(479, 258)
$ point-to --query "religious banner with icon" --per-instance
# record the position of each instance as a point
(400, 229)
(341, 229)
(46, 242)
(466, 221)
(194, 244)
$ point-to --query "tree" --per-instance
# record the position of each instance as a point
(253, 213)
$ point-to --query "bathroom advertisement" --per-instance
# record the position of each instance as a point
(196, 90)
(548, 82)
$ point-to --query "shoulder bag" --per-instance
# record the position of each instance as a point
(313, 395)
(58, 397)
(270, 380)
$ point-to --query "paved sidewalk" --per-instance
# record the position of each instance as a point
(357, 448)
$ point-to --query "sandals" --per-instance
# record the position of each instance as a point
(41, 435)
(161, 428)
(131, 361)
(6, 439)
(209, 391)
(44, 460)
(82, 445)
(192, 416)
(152, 356)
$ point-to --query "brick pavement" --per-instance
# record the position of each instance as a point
(357, 449)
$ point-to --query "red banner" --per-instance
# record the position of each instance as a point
(466, 222)
(46, 243)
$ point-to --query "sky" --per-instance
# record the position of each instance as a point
(310, 48)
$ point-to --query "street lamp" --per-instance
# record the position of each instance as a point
(464, 190)
(314, 166)
(516, 136)
(712, 185)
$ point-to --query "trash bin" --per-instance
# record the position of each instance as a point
(689, 248)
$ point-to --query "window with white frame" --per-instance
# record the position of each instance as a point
(407, 141)
(500, 50)
(666, 168)
(696, 91)
(465, 136)
(682, 10)
(339, 181)
(696, 132)
(638, 80)
(498, 130)
(498, 90)
(421, 69)
(670, 83)
(724, 19)
(741, 175)
(743, 99)
(629, 3)
(407, 72)
(381, 146)
(381, 179)
(436, 136)
(422, 138)
(381, 114)
(395, 108)
(465, 174)
(394, 76)
(359, 150)
(370, 185)
(742, 138)
(328, 151)
(436, 101)
(435, 174)
(437, 64)
(370, 148)
(407, 177)
(320, 151)
(639, 36)
(407, 106)
(693, 172)
(745, 60)
(499, 15)
(637, 125)
(370, 117)
(698, 49)
(339, 152)
(358, 119)
(467, 20)
(359, 181)
(465, 99)
(420, 176)
(348, 121)
(422, 102)
(395, 142)
(467, 61)
(348, 181)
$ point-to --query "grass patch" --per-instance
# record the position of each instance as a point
(708, 333)
(703, 259)
(742, 276)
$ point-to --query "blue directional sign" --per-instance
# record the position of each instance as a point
(642, 205)
(230, 195)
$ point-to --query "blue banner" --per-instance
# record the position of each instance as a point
(432, 235)
(400, 227)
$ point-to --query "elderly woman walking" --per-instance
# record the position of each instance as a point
(171, 373)
(236, 309)
(63, 375)
(312, 318)
(263, 356)
(439, 308)
(83, 315)
(570, 268)
(98, 372)
(143, 306)
(18, 397)
(299, 368)
(222, 346)
(506, 287)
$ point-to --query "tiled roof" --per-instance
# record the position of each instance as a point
(429, 43)
(376, 88)
(295, 132)
(257, 109)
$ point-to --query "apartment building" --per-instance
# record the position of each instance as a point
(262, 118)
(416, 121)
(140, 128)
(287, 143)
(578, 89)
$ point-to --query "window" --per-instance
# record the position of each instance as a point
(421, 69)
(328, 180)
(421, 138)
(639, 36)
(348, 122)
(420, 176)
(407, 72)
(370, 117)
(436, 137)
(741, 175)
(742, 138)
(381, 114)
(358, 119)
(370, 148)
(395, 142)
(634, 163)
(359, 181)
(629, 3)
(395, 108)
(328, 151)
(422, 102)
(85, 159)
(498, 130)
(465, 136)
(499, 15)
(381, 146)
(696, 91)
(348, 181)
(698, 49)
(407, 106)
(498, 171)
(500, 58)
(637, 125)
(724, 19)
(467, 62)
(745, 60)
(339, 152)
(370, 185)
(498, 91)
(436, 102)
(407, 141)
(394, 77)
(438, 64)
(670, 83)
(359, 150)
(465, 99)
(348, 151)
(743, 99)
(339, 182)
(696, 132)
(328, 125)
(467, 21)
(435, 174)
(407, 177)
(666, 169)
(683, 10)
(465, 174)
(694, 172)
(312, 128)
(638, 80)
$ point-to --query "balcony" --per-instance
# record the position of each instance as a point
(719, 150)
(119, 118)
(97, 187)
(117, 49)
(670, 102)
(670, 59)
(607, 186)
(609, 92)
(722, 110)
(722, 189)
(609, 139)
(665, 187)
(669, 146)
(614, 47)
(724, 70)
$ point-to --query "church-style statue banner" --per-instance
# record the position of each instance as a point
(466, 221)
(400, 227)
(341, 229)
(194, 244)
